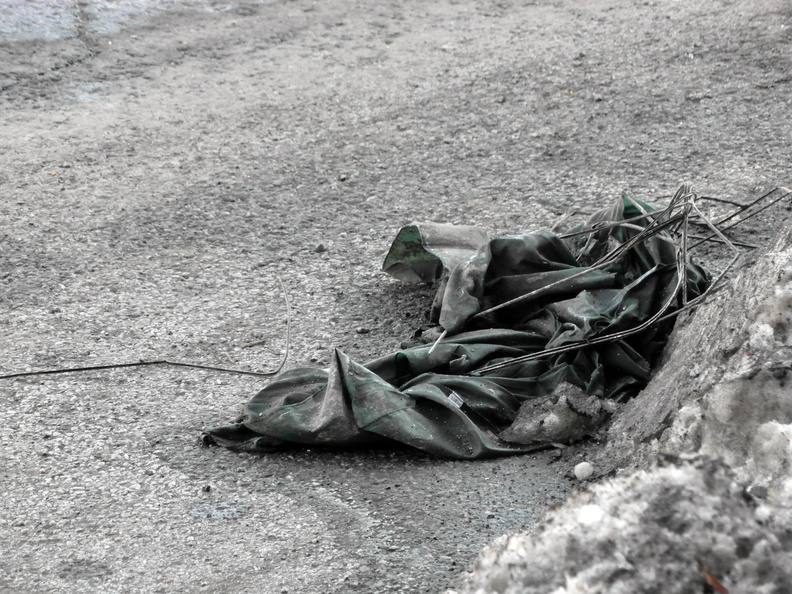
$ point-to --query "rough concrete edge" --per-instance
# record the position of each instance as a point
(730, 339)
(719, 391)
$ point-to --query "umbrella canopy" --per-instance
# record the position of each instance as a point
(519, 315)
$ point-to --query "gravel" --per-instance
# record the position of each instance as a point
(162, 173)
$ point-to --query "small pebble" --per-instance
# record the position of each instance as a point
(763, 514)
(584, 471)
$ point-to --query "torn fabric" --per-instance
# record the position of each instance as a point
(442, 399)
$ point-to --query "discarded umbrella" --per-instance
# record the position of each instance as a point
(518, 317)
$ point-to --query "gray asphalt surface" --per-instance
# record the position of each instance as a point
(164, 166)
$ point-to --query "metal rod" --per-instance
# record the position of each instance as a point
(785, 193)
(688, 205)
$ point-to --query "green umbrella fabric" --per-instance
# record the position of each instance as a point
(442, 398)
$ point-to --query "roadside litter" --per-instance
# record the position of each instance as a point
(539, 337)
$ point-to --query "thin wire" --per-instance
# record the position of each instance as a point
(436, 342)
(602, 225)
(724, 201)
(653, 228)
(137, 364)
(682, 255)
(178, 363)
(717, 240)
(587, 343)
(745, 207)
(785, 193)
(685, 199)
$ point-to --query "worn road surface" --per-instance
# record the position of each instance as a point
(171, 173)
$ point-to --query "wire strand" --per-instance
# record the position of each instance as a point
(276, 371)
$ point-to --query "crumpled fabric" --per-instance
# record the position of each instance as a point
(435, 400)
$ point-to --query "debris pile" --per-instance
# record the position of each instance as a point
(711, 439)
(517, 317)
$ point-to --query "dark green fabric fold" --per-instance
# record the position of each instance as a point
(437, 399)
